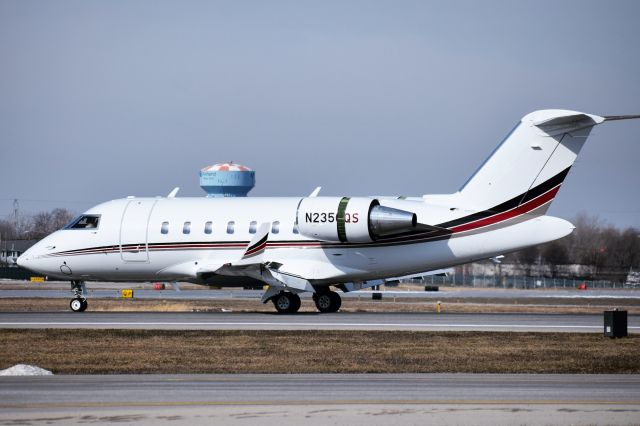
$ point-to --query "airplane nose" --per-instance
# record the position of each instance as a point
(22, 261)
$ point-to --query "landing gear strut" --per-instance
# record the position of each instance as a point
(286, 302)
(79, 301)
(328, 301)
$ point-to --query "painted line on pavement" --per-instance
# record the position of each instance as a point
(301, 324)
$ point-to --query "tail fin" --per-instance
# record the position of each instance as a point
(531, 162)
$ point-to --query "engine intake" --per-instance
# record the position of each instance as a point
(356, 220)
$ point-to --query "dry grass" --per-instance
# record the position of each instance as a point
(472, 305)
(235, 351)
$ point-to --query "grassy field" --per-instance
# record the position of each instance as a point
(165, 351)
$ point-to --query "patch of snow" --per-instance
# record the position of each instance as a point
(25, 370)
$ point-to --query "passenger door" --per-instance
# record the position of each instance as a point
(134, 229)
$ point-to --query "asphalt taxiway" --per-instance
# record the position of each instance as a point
(312, 321)
(322, 399)
(112, 291)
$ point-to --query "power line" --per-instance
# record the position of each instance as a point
(33, 200)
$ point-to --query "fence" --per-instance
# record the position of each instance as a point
(15, 273)
(459, 280)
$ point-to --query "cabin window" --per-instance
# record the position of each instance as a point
(86, 221)
(253, 226)
(231, 227)
(275, 227)
(295, 228)
(208, 227)
(164, 229)
(186, 228)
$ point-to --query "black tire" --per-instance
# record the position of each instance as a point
(77, 305)
(336, 301)
(85, 304)
(327, 302)
(295, 306)
(286, 302)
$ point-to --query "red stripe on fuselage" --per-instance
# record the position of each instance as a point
(517, 211)
(256, 249)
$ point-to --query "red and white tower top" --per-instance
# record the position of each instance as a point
(227, 167)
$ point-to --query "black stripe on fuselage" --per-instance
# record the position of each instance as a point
(512, 203)
(262, 241)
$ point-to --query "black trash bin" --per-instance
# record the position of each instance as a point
(615, 323)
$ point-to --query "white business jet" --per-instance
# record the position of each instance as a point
(308, 244)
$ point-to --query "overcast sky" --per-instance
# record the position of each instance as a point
(100, 100)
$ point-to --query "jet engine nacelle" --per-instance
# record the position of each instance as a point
(354, 220)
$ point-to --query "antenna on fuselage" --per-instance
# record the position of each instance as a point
(173, 193)
(315, 192)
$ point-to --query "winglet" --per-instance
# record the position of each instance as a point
(315, 192)
(258, 244)
(174, 192)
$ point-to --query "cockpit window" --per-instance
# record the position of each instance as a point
(86, 221)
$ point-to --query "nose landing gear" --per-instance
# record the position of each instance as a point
(79, 301)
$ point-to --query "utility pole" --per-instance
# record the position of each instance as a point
(16, 209)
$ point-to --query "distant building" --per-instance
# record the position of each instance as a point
(227, 180)
(10, 250)
(633, 279)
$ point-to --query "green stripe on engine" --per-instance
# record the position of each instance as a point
(342, 207)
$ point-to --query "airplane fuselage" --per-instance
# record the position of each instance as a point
(142, 238)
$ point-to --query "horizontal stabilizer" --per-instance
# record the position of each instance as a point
(620, 117)
(567, 123)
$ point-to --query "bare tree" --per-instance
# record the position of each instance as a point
(7, 230)
(35, 226)
(555, 254)
(44, 223)
(527, 258)
(608, 252)
(60, 217)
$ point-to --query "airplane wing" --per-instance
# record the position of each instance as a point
(254, 264)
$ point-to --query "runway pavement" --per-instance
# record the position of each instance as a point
(311, 321)
(322, 399)
(112, 290)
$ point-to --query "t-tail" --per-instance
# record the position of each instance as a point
(525, 172)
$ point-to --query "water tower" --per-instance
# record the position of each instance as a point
(227, 180)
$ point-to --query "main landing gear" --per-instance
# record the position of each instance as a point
(79, 301)
(286, 302)
(328, 301)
